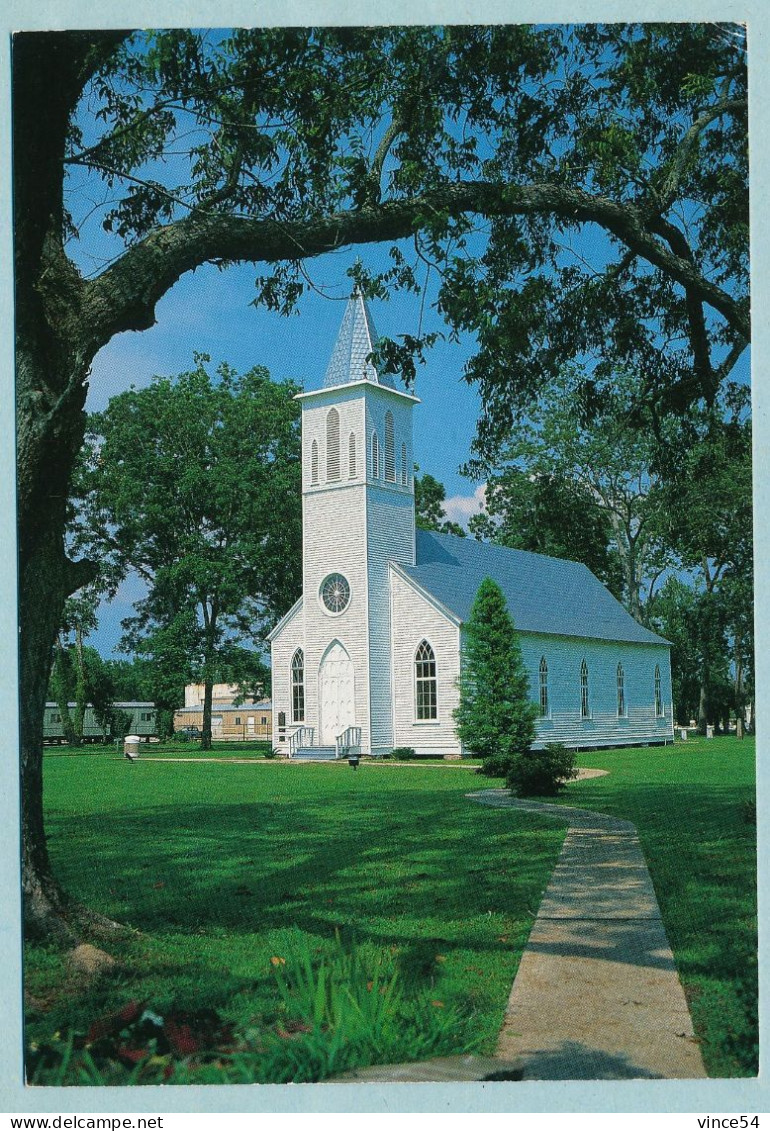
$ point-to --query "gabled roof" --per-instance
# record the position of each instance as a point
(356, 340)
(547, 595)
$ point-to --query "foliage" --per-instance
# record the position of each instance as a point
(403, 753)
(578, 448)
(495, 717)
(429, 513)
(179, 485)
(686, 803)
(493, 149)
(549, 513)
(541, 773)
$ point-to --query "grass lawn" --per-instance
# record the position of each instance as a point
(262, 894)
(689, 804)
(313, 918)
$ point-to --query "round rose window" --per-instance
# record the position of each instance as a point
(335, 593)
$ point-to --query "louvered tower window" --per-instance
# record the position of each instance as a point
(658, 694)
(332, 444)
(621, 692)
(375, 456)
(426, 699)
(543, 676)
(298, 687)
(314, 462)
(585, 705)
(390, 449)
(404, 467)
(352, 456)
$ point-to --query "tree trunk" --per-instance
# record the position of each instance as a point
(48, 445)
(208, 687)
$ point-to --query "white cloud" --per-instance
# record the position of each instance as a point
(461, 507)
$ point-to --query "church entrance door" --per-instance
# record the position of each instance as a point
(337, 693)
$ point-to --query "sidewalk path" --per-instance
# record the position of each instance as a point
(597, 995)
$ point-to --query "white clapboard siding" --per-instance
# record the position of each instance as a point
(285, 640)
(564, 656)
(416, 619)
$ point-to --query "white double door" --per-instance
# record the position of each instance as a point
(336, 693)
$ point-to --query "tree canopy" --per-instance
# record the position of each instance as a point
(490, 154)
(194, 484)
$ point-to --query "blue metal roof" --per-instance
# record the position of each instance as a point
(544, 594)
(356, 340)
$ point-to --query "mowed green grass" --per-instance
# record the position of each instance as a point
(688, 803)
(224, 867)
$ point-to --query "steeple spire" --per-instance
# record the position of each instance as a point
(356, 340)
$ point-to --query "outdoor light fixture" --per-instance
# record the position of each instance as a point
(354, 762)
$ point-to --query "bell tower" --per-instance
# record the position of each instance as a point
(357, 514)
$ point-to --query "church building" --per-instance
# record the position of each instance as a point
(369, 657)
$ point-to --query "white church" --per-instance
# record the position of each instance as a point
(369, 657)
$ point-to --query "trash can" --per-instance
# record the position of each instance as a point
(131, 746)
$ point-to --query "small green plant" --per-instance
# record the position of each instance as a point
(541, 773)
(403, 753)
(271, 752)
(496, 766)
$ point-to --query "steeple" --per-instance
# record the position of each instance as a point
(356, 340)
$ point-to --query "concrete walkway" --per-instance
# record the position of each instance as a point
(597, 995)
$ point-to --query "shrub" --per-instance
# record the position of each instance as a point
(541, 773)
(495, 716)
(496, 766)
(403, 753)
(271, 752)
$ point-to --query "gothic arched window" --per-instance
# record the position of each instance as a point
(298, 687)
(585, 703)
(332, 444)
(426, 699)
(404, 467)
(621, 692)
(352, 456)
(658, 693)
(543, 679)
(390, 449)
(314, 462)
(375, 456)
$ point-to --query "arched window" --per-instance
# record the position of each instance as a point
(298, 687)
(621, 692)
(543, 674)
(404, 467)
(426, 701)
(390, 449)
(375, 456)
(658, 694)
(332, 444)
(585, 704)
(352, 456)
(314, 462)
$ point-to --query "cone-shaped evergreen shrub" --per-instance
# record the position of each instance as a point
(496, 717)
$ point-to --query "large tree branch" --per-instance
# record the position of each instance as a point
(668, 191)
(124, 296)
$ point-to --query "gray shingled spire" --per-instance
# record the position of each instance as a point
(356, 340)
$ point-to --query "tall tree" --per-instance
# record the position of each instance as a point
(429, 513)
(273, 146)
(495, 716)
(600, 460)
(194, 484)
